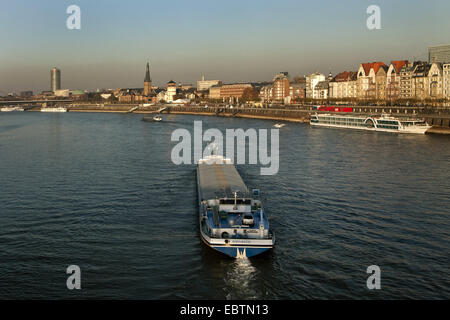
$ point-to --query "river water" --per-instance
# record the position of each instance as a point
(100, 191)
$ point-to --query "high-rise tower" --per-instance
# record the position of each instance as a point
(55, 79)
(147, 82)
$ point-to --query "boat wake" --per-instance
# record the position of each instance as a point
(240, 280)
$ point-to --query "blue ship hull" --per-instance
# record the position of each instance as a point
(236, 252)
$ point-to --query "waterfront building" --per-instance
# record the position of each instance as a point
(406, 82)
(311, 81)
(160, 96)
(55, 79)
(62, 93)
(106, 96)
(138, 95)
(335, 87)
(330, 77)
(364, 80)
(266, 93)
(435, 81)
(338, 86)
(367, 86)
(148, 89)
(380, 82)
(352, 85)
(44, 95)
(191, 96)
(297, 91)
(420, 81)
(280, 86)
(343, 85)
(321, 90)
(367, 78)
(129, 95)
(233, 91)
(214, 92)
(79, 95)
(206, 84)
(186, 87)
(446, 80)
(26, 94)
(439, 54)
(393, 79)
(171, 91)
(126, 97)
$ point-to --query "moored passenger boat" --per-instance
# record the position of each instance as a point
(232, 220)
(11, 109)
(54, 109)
(376, 123)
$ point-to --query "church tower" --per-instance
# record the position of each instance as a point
(147, 82)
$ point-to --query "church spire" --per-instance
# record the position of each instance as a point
(147, 74)
(148, 82)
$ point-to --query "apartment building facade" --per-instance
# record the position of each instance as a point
(393, 79)
(280, 86)
(446, 80)
(311, 81)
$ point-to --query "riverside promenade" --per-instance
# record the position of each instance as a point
(438, 118)
(300, 116)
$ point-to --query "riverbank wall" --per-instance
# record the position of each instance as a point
(300, 114)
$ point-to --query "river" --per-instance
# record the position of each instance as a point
(100, 191)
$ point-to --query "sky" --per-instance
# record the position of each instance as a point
(233, 40)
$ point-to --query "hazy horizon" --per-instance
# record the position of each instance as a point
(232, 41)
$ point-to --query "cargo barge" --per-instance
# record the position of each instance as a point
(232, 220)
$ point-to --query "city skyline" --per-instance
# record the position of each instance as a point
(234, 43)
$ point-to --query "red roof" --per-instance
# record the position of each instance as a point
(344, 76)
(372, 65)
(398, 64)
(377, 65)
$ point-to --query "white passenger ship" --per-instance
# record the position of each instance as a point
(54, 109)
(376, 123)
(232, 220)
(11, 109)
